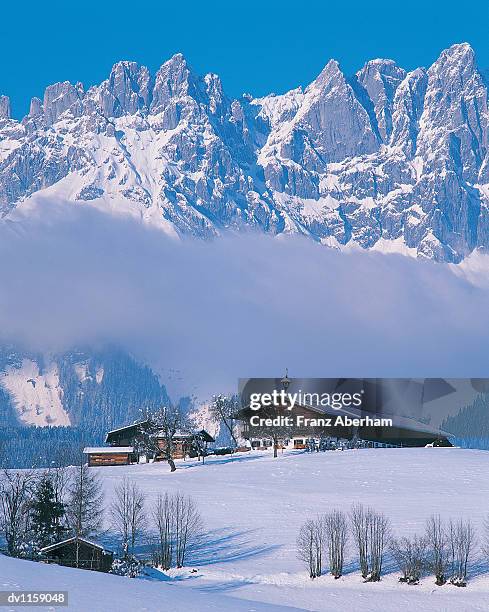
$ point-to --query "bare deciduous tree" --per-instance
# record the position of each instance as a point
(310, 546)
(157, 436)
(485, 539)
(127, 513)
(188, 526)
(379, 530)
(360, 528)
(84, 507)
(59, 475)
(16, 487)
(178, 525)
(370, 532)
(223, 410)
(336, 533)
(410, 555)
(437, 543)
(163, 518)
(462, 539)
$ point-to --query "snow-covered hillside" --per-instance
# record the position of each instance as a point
(37, 396)
(84, 388)
(253, 506)
(96, 592)
(384, 158)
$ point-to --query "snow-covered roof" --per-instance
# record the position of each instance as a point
(108, 449)
(190, 435)
(126, 427)
(181, 434)
(72, 539)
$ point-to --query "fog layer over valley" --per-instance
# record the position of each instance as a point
(203, 313)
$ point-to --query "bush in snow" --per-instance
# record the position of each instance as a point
(410, 555)
(370, 534)
(129, 567)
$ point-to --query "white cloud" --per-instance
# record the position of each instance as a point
(244, 305)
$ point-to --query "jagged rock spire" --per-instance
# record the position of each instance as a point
(4, 107)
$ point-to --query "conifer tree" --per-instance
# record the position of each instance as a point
(47, 514)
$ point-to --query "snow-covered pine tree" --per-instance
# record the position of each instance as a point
(47, 514)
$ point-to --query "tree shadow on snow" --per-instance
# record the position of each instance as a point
(183, 465)
(479, 568)
(223, 545)
(388, 566)
(223, 587)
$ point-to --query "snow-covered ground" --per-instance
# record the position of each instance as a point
(97, 592)
(253, 506)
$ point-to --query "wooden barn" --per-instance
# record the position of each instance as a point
(126, 435)
(186, 444)
(109, 455)
(123, 440)
(78, 552)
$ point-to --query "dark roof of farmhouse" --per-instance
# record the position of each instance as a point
(131, 426)
(179, 434)
(73, 540)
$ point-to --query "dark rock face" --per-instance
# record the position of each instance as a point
(382, 158)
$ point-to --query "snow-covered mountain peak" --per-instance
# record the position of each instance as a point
(331, 74)
(461, 54)
(174, 79)
(381, 68)
(61, 97)
(380, 156)
(126, 91)
(380, 78)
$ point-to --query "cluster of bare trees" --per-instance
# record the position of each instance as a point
(370, 533)
(444, 549)
(410, 555)
(171, 526)
(38, 507)
(178, 528)
(325, 535)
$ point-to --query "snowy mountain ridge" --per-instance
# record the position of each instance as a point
(387, 159)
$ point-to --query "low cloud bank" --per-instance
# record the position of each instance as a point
(205, 313)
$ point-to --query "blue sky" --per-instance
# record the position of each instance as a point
(255, 46)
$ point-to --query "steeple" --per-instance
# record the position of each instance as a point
(286, 380)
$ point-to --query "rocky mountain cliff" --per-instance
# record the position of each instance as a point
(385, 159)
